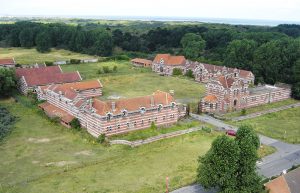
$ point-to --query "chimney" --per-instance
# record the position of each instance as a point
(152, 100)
(113, 106)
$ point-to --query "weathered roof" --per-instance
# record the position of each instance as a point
(210, 98)
(170, 60)
(226, 82)
(288, 183)
(7, 61)
(54, 111)
(46, 75)
(132, 104)
(141, 60)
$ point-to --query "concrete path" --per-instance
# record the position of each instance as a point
(253, 115)
(284, 158)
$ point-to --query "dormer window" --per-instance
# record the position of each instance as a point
(142, 110)
(124, 113)
(109, 116)
(173, 105)
(160, 106)
(162, 61)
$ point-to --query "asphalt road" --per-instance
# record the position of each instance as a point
(284, 158)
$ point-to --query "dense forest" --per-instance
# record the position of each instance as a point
(272, 53)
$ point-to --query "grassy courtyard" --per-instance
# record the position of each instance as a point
(41, 156)
(131, 82)
(31, 56)
(283, 125)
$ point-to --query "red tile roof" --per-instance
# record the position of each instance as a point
(46, 75)
(226, 82)
(7, 61)
(278, 185)
(170, 60)
(54, 111)
(133, 104)
(142, 61)
(210, 98)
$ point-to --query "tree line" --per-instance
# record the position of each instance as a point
(272, 53)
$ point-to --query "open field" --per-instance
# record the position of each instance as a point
(283, 125)
(130, 82)
(40, 156)
(261, 108)
(31, 56)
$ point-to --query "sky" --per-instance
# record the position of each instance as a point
(283, 10)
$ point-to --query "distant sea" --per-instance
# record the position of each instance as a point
(232, 21)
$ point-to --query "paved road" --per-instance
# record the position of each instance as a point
(284, 158)
(252, 115)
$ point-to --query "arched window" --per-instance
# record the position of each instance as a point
(109, 116)
(160, 106)
(124, 113)
(142, 110)
(173, 105)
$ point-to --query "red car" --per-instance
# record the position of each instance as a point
(231, 132)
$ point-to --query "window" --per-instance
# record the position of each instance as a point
(149, 120)
(173, 105)
(160, 107)
(128, 125)
(142, 110)
(164, 117)
(155, 119)
(142, 122)
(108, 116)
(118, 126)
(124, 113)
(134, 123)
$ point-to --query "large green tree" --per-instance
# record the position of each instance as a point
(193, 45)
(240, 53)
(230, 164)
(218, 167)
(26, 37)
(7, 81)
(43, 42)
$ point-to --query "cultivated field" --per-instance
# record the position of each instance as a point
(31, 56)
(41, 156)
(283, 125)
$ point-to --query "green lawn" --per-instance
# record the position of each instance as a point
(283, 125)
(40, 156)
(31, 56)
(265, 150)
(131, 82)
(150, 132)
(261, 108)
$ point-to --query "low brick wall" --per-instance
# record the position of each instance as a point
(155, 138)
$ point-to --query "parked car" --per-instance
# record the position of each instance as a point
(231, 132)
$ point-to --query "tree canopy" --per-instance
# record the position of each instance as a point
(7, 81)
(193, 45)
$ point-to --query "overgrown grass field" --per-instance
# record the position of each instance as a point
(283, 125)
(41, 156)
(31, 56)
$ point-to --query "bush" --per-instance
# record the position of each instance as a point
(189, 73)
(106, 69)
(6, 122)
(177, 72)
(115, 69)
(153, 126)
(206, 129)
(101, 138)
(49, 63)
(99, 71)
(75, 61)
(75, 124)
(243, 112)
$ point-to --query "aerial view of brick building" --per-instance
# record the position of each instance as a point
(165, 63)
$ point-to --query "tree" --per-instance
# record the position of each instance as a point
(26, 37)
(219, 165)
(240, 53)
(75, 124)
(230, 164)
(296, 90)
(43, 42)
(193, 45)
(7, 81)
(248, 143)
(189, 73)
(176, 72)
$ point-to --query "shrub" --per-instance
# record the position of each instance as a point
(101, 138)
(75, 124)
(177, 72)
(206, 129)
(106, 69)
(115, 69)
(153, 126)
(99, 71)
(49, 63)
(243, 112)
(18, 65)
(6, 122)
(75, 61)
(189, 73)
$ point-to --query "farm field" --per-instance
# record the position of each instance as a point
(31, 56)
(41, 156)
(283, 125)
